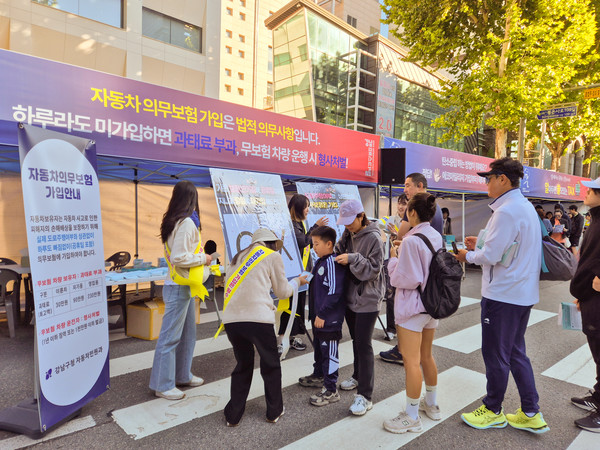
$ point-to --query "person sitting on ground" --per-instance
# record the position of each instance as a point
(249, 319)
(326, 308)
(408, 271)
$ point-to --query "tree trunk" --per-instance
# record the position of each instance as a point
(588, 147)
(557, 152)
(501, 135)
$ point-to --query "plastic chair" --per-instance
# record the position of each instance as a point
(119, 260)
(6, 262)
(9, 299)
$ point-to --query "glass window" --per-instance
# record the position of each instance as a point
(243, 3)
(170, 30)
(228, 72)
(242, 38)
(241, 53)
(227, 88)
(228, 49)
(229, 11)
(228, 33)
(241, 75)
(105, 11)
(270, 88)
(270, 59)
(240, 91)
(242, 16)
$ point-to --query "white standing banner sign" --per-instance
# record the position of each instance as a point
(64, 233)
(248, 201)
(325, 200)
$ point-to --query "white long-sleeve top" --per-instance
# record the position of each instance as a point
(514, 220)
(411, 269)
(182, 242)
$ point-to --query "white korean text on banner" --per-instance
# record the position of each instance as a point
(64, 234)
(325, 200)
(248, 201)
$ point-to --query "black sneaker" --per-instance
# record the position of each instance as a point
(311, 381)
(590, 423)
(297, 344)
(589, 403)
(392, 356)
(324, 397)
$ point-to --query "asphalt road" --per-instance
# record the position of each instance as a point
(547, 345)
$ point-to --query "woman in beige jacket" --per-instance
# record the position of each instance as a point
(249, 319)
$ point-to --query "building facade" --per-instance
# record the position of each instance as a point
(217, 48)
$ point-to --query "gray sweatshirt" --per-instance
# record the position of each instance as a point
(365, 284)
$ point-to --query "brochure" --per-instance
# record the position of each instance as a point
(569, 317)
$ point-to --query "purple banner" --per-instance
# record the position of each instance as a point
(134, 119)
(448, 170)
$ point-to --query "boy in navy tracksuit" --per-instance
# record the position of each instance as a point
(326, 311)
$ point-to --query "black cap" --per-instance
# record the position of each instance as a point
(512, 168)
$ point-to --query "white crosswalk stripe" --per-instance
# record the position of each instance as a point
(158, 415)
(585, 441)
(577, 368)
(469, 339)
(457, 388)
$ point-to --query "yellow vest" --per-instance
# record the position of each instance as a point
(195, 277)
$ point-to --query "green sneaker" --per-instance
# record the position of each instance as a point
(521, 421)
(482, 418)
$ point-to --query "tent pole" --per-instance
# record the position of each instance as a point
(463, 233)
(136, 182)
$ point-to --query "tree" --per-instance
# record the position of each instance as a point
(508, 58)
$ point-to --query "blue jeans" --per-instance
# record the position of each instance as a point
(503, 327)
(175, 347)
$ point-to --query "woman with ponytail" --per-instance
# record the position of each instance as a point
(180, 234)
(409, 270)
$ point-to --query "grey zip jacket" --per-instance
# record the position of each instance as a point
(364, 284)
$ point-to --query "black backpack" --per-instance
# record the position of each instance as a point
(441, 296)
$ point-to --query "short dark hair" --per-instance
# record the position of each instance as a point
(402, 198)
(446, 210)
(365, 220)
(539, 207)
(573, 207)
(325, 233)
(417, 178)
(511, 168)
(424, 204)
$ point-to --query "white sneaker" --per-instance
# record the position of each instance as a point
(171, 394)
(403, 423)
(194, 382)
(361, 405)
(349, 384)
(433, 411)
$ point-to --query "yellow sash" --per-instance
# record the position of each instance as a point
(196, 275)
(306, 252)
(235, 280)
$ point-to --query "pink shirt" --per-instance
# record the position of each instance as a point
(411, 269)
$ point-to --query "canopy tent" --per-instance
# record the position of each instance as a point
(151, 134)
(453, 174)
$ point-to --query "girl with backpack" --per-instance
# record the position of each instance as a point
(409, 270)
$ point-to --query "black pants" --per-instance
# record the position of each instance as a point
(361, 327)
(594, 343)
(327, 361)
(244, 336)
(389, 316)
(298, 326)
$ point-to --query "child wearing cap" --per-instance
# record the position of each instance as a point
(361, 249)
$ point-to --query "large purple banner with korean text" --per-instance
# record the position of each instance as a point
(448, 170)
(133, 119)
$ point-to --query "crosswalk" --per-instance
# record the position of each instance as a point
(458, 388)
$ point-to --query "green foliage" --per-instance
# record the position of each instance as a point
(509, 58)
